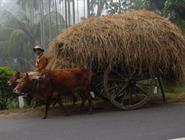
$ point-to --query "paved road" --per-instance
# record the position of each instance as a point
(154, 123)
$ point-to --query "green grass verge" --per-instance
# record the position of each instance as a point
(175, 89)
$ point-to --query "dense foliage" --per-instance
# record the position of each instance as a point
(5, 92)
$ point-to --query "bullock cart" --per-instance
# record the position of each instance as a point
(126, 54)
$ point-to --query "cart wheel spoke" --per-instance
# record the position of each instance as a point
(124, 98)
(142, 90)
(127, 94)
(118, 93)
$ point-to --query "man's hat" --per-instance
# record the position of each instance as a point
(38, 47)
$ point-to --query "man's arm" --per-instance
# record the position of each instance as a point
(42, 64)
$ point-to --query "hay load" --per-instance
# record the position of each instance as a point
(139, 42)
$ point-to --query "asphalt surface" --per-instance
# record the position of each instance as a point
(158, 122)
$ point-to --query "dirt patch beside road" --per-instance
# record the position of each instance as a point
(170, 98)
(99, 107)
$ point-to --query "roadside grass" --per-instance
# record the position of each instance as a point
(175, 89)
(179, 90)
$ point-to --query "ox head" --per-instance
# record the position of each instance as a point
(12, 82)
(22, 84)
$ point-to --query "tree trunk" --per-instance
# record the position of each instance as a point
(74, 12)
(119, 11)
(78, 11)
(100, 7)
(88, 10)
(84, 9)
(43, 25)
(41, 28)
(66, 20)
(56, 16)
(69, 13)
(50, 36)
(60, 17)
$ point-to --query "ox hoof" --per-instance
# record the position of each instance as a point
(90, 112)
(67, 114)
(44, 117)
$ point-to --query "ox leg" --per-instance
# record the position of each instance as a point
(35, 104)
(82, 103)
(90, 106)
(57, 100)
(46, 109)
(90, 99)
(74, 103)
(62, 106)
(54, 103)
(74, 100)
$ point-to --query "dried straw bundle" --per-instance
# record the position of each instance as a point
(138, 42)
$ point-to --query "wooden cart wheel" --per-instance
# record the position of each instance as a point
(127, 93)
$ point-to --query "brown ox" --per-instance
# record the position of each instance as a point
(12, 82)
(58, 82)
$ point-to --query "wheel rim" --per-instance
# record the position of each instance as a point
(127, 93)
